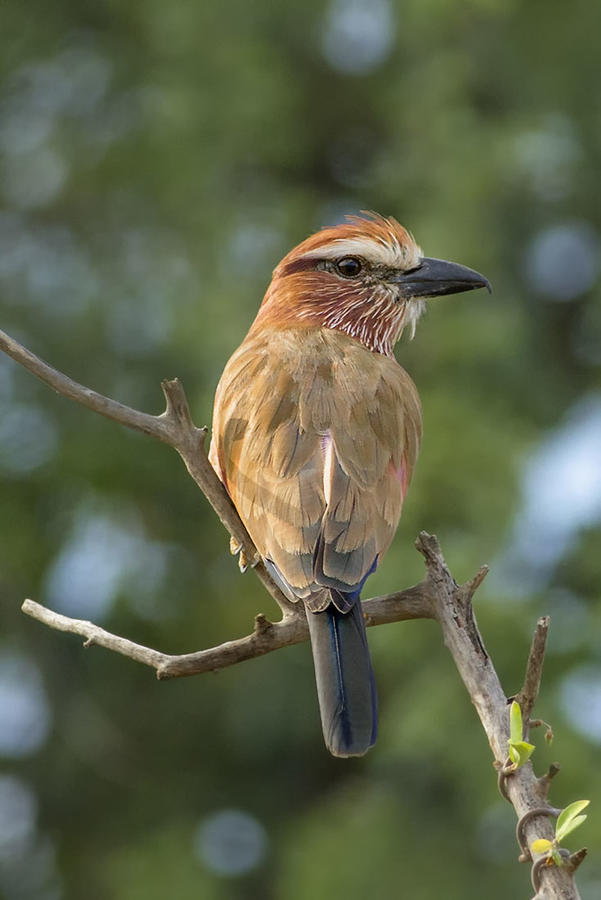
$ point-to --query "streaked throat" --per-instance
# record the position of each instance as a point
(377, 324)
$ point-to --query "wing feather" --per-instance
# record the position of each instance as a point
(315, 439)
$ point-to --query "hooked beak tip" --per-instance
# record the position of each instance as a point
(437, 278)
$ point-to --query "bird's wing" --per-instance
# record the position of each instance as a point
(316, 449)
(269, 465)
(371, 459)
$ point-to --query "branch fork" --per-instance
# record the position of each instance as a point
(438, 597)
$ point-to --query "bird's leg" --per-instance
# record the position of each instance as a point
(236, 550)
(243, 561)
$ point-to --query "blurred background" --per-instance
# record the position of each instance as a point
(156, 161)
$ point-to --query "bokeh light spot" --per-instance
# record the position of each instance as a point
(358, 35)
(231, 842)
(33, 179)
(18, 811)
(549, 156)
(580, 700)
(24, 711)
(28, 439)
(562, 262)
(104, 554)
(563, 474)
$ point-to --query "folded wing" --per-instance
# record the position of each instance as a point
(315, 439)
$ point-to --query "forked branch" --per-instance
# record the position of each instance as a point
(173, 427)
(413, 603)
(438, 596)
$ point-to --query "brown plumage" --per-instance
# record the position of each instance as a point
(329, 448)
(316, 431)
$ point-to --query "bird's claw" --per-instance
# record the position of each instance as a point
(243, 561)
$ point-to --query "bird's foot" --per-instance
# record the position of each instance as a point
(243, 561)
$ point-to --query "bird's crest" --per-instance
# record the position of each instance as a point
(379, 239)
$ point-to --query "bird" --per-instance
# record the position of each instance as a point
(316, 432)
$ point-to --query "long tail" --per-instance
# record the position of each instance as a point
(345, 680)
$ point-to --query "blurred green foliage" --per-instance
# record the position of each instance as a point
(157, 160)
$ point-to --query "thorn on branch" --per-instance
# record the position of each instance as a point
(470, 587)
(454, 598)
(545, 780)
(177, 402)
(262, 625)
(429, 547)
(576, 858)
(177, 414)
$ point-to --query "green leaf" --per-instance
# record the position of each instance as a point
(516, 728)
(520, 752)
(569, 819)
(573, 825)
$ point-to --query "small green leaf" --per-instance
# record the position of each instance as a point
(569, 819)
(575, 823)
(516, 728)
(542, 845)
(520, 752)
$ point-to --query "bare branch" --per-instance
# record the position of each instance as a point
(534, 670)
(189, 442)
(453, 610)
(414, 603)
(438, 596)
(93, 634)
(64, 385)
(175, 428)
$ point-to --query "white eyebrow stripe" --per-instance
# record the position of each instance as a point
(379, 253)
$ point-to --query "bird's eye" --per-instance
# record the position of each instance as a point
(349, 266)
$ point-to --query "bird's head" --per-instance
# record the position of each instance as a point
(366, 277)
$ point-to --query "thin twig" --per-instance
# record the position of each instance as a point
(454, 612)
(62, 384)
(534, 670)
(174, 427)
(439, 597)
(414, 603)
(546, 779)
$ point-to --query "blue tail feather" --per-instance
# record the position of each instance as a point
(345, 680)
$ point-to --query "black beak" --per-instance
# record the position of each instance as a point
(436, 277)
